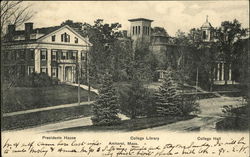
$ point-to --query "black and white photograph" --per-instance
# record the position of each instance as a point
(118, 78)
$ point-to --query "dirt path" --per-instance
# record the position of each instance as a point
(211, 113)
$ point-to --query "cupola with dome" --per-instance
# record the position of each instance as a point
(207, 31)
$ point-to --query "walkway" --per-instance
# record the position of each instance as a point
(211, 113)
(84, 87)
(79, 122)
(45, 109)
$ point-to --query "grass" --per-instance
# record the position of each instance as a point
(131, 124)
(21, 98)
(44, 117)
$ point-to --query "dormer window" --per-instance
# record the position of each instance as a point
(65, 37)
(53, 38)
(76, 40)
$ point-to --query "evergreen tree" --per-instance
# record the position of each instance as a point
(168, 100)
(106, 108)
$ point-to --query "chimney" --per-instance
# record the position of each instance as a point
(28, 30)
(11, 31)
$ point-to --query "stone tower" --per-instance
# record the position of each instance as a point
(207, 31)
(140, 31)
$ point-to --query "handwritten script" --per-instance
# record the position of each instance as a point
(75, 147)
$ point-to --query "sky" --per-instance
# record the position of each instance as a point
(172, 15)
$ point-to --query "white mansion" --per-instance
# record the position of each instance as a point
(52, 50)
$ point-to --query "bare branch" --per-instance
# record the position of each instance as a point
(14, 12)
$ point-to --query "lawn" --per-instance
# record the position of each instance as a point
(21, 98)
(24, 121)
(131, 124)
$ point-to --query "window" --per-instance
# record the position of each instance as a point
(31, 69)
(64, 55)
(17, 54)
(6, 55)
(43, 54)
(62, 37)
(22, 54)
(32, 54)
(12, 55)
(65, 37)
(135, 29)
(70, 54)
(203, 35)
(54, 72)
(139, 29)
(83, 55)
(54, 55)
(44, 70)
(74, 55)
(76, 40)
(53, 38)
(22, 70)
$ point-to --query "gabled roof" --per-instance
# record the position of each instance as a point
(62, 27)
(43, 30)
(46, 31)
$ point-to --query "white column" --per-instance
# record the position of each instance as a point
(218, 71)
(49, 61)
(230, 73)
(214, 71)
(79, 56)
(222, 71)
(72, 75)
(37, 61)
(59, 73)
(63, 73)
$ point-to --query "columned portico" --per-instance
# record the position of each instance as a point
(221, 73)
(67, 73)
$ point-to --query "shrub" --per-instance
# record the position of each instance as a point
(36, 80)
(134, 99)
(189, 105)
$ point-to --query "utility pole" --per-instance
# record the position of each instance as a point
(78, 79)
(197, 77)
(87, 70)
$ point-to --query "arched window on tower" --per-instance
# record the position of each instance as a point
(203, 35)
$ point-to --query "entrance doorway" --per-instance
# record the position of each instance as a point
(68, 74)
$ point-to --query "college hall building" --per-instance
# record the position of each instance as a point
(141, 32)
(56, 51)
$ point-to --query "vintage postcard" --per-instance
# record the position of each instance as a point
(125, 78)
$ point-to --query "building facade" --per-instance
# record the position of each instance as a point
(57, 51)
